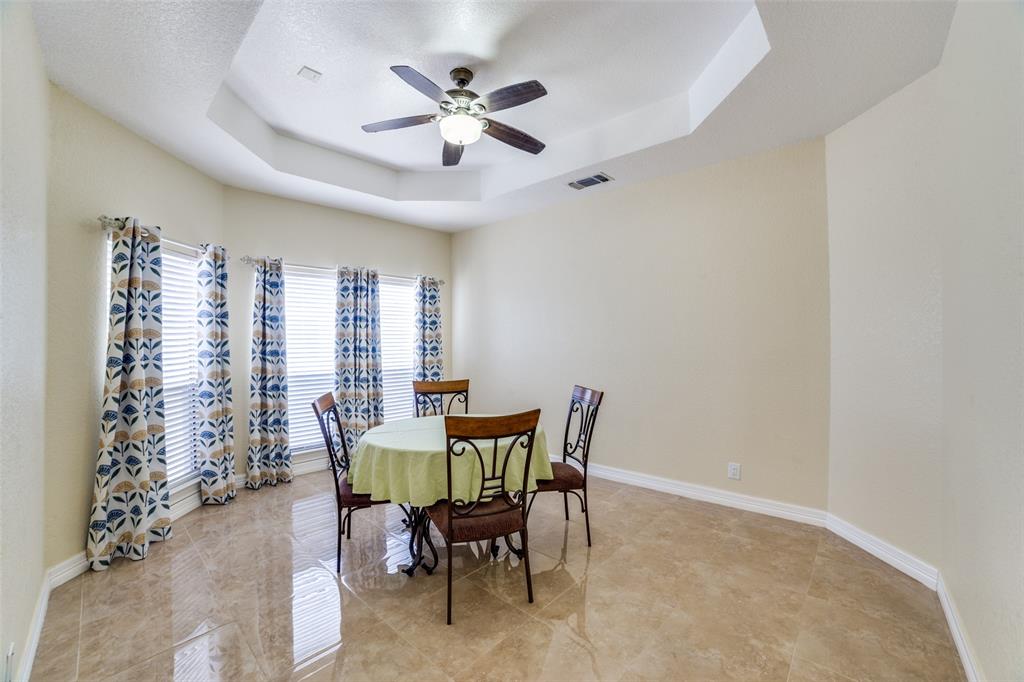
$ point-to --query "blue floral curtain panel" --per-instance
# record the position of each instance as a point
(428, 362)
(131, 501)
(269, 461)
(216, 442)
(358, 380)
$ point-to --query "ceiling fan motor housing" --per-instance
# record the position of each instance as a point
(462, 97)
(461, 76)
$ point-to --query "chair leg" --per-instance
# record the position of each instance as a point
(526, 564)
(448, 545)
(565, 500)
(341, 525)
(349, 533)
(586, 512)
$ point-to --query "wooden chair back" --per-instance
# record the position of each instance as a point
(436, 398)
(491, 441)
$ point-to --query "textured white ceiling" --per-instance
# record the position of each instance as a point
(160, 69)
(597, 61)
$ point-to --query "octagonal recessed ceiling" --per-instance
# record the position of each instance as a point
(598, 61)
(670, 66)
(636, 89)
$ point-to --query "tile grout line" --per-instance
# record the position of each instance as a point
(81, 618)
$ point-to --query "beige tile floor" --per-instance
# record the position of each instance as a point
(672, 589)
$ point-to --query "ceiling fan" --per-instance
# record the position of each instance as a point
(461, 119)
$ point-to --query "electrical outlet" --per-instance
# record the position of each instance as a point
(734, 471)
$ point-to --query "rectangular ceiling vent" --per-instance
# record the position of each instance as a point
(309, 74)
(596, 179)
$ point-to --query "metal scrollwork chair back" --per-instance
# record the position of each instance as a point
(571, 478)
(579, 425)
(328, 416)
(436, 398)
(498, 450)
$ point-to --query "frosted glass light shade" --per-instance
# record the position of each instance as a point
(460, 129)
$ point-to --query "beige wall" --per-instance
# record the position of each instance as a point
(982, 100)
(698, 302)
(885, 264)
(24, 133)
(926, 217)
(98, 167)
(263, 225)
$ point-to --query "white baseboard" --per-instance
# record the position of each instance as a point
(55, 576)
(959, 634)
(919, 570)
(28, 653)
(760, 505)
(71, 567)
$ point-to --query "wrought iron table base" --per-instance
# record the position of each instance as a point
(418, 523)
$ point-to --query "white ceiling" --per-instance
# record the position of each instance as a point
(637, 89)
(657, 49)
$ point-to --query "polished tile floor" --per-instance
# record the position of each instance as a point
(672, 590)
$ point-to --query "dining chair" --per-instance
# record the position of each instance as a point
(487, 446)
(579, 430)
(430, 396)
(328, 416)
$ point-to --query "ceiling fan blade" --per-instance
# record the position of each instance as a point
(511, 96)
(513, 136)
(421, 83)
(395, 123)
(452, 154)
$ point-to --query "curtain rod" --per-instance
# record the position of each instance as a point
(249, 260)
(172, 242)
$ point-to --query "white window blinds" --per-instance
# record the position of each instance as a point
(397, 335)
(179, 364)
(309, 304)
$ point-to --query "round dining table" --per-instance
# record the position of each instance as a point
(405, 461)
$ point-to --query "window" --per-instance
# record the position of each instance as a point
(309, 303)
(181, 371)
(397, 337)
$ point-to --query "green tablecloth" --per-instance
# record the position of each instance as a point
(405, 461)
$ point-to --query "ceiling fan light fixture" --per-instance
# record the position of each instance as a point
(461, 129)
(461, 116)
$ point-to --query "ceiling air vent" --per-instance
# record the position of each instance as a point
(596, 179)
(309, 74)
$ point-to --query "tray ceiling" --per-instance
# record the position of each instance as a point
(636, 89)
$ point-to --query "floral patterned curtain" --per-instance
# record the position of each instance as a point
(131, 500)
(357, 365)
(269, 461)
(216, 444)
(428, 363)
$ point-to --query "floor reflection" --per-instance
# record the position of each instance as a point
(316, 615)
(249, 592)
